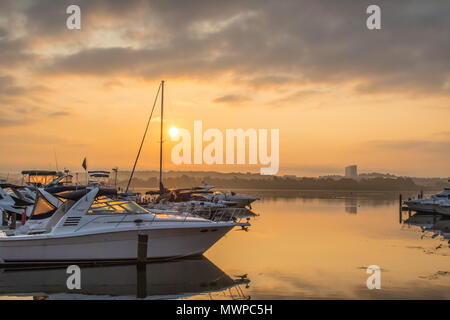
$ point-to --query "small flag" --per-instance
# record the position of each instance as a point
(84, 165)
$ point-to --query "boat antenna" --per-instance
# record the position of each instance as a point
(161, 187)
(143, 138)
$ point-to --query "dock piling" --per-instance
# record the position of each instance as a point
(400, 208)
(142, 248)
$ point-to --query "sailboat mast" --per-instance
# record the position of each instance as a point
(142, 142)
(161, 188)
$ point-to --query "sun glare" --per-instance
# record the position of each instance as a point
(173, 132)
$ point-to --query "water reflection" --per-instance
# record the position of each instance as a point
(351, 206)
(431, 225)
(161, 280)
(312, 245)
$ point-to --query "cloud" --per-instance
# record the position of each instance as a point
(111, 84)
(8, 122)
(19, 104)
(272, 44)
(13, 93)
(441, 147)
(299, 95)
(58, 114)
(252, 43)
(13, 53)
(232, 99)
(8, 88)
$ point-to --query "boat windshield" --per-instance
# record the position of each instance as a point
(107, 206)
(42, 209)
(40, 180)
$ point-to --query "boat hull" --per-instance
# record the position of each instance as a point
(113, 246)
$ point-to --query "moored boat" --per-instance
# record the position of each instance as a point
(91, 227)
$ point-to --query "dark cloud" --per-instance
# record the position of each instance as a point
(8, 87)
(14, 53)
(46, 19)
(11, 92)
(232, 99)
(257, 43)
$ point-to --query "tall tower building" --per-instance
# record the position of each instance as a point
(351, 172)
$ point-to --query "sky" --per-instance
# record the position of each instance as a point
(339, 93)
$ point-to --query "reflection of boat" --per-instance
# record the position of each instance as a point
(423, 220)
(443, 226)
(437, 225)
(443, 207)
(89, 226)
(159, 280)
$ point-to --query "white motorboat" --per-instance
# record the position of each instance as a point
(91, 227)
(428, 204)
(7, 202)
(15, 201)
(230, 199)
(18, 203)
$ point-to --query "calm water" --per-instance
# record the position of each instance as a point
(304, 245)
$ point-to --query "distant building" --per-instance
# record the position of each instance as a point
(351, 172)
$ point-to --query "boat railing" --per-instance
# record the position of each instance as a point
(227, 214)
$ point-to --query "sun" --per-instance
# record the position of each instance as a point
(173, 132)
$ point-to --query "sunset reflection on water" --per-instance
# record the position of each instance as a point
(318, 245)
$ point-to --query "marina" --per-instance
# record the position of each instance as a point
(342, 233)
(51, 220)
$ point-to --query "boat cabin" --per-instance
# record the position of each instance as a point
(40, 178)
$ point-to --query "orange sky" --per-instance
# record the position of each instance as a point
(339, 93)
